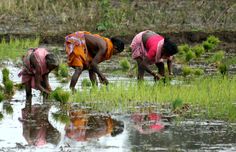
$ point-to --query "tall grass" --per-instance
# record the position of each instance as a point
(122, 17)
(15, 48)
(214, 96)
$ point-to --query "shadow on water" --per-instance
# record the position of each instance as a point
(81, 127)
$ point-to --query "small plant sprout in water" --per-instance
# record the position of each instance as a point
(8, 108)
(223, 69)
(198, 50)
(125, 64)
(8, 84)
(198, 71)
(63, 70)
(9, 87)
(177, 103)
(211, 43)
(5, 75)
(1, 96)
(1, 116)
(86, 83)
(60, 95)
(189, 56)
(62, 73)
(184, 48)
(186, 70)
(217, 57)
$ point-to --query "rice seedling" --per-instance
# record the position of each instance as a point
(211, 43)
(198, 71)
(217, 57)
(1, 96)
(189, 56)
(184, 48)
(213, 40)
(5, 75)
(1, 116)
(177, 103)
(8, 84)
(60, 95)
(125, 64)
(86, 83)
(223, 69)
(186, 70)
(8, 108)
(63, 71)
(9, 87)
(198, 50)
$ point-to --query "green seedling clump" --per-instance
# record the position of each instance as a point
(85, 83)
(60, 95)
(198, 72)
(177, 103)
(213, 40)
(1, 116)
(5, 75)
(8, 108)
(124, 64)
(217, 57)
(223, 68)
(190, 55)
(198, 50)
(186, 71)
(1, 96)
(63, 70)
(184, 48)
(211, 43)
(9, 87)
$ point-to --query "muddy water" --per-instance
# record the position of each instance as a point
(47, 127)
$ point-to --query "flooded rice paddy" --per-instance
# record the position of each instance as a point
(79, 127)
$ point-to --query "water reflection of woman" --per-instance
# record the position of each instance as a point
(84, 126)
(147, 123)
(37, 129)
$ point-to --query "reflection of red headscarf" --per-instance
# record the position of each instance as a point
(152, 123)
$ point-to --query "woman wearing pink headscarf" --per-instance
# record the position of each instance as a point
(37, 64)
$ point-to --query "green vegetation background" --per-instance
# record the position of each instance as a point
(120, 17)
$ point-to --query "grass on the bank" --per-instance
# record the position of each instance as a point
(214, 97)
(15, 48)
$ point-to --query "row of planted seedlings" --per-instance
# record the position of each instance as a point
(16, 48)
(207, 97)
(204, 53)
